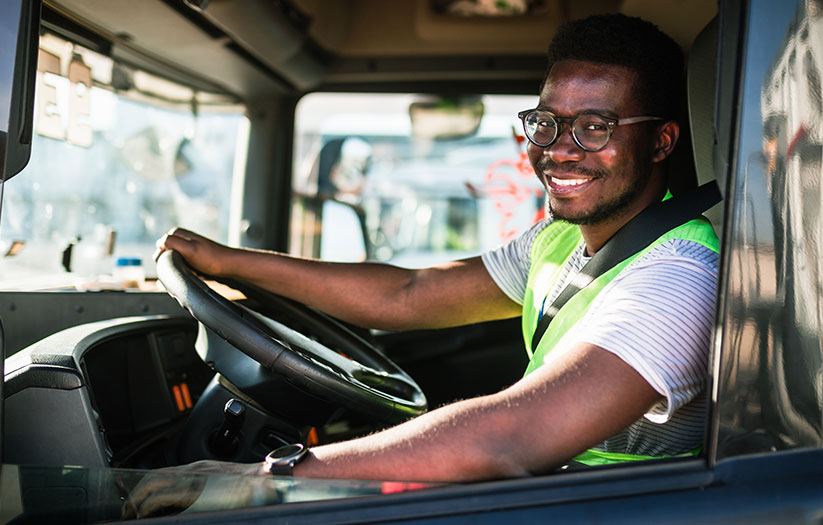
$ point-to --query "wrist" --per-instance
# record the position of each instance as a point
(282, 461)
(260, 469)
(304, 467)
(231, 262)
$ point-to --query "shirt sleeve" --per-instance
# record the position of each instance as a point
(509, 264)
(657, 316)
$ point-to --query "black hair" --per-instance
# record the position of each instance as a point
(621, 40)
(329, 156)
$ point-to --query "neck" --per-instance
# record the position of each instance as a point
(596, 235)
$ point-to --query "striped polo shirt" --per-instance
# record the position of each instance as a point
(656, 315)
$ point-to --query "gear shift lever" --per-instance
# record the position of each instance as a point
(224, 442)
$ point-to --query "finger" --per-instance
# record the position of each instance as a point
(181, 496)
(184, 233)
(179, 243)
(148, 485)
(161, 242)
(160, 247)
(177, 499)
(127, 510)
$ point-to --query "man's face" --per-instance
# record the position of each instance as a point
(587, 187)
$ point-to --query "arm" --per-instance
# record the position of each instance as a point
(583, 396)
(655, 319)
(367, 294)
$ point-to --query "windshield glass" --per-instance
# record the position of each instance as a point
(410, 179)
(122, 157)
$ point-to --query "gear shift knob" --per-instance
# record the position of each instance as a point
(224, 442)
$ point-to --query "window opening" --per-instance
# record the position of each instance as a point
(119, 157)
(410, 179)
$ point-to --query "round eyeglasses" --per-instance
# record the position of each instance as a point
(589, 131)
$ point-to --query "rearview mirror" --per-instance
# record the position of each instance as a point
(446, 118)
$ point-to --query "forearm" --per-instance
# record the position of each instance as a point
(378, 295)
(583, 397)
(368, 294)
(464, 441)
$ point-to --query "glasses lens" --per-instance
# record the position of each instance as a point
(540, 127)
(592, 131)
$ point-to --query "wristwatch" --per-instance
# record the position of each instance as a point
(281, 461)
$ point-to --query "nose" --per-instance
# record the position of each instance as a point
(564, 149)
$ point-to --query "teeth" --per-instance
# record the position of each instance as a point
(568, 182)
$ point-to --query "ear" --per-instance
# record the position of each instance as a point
(665, 140)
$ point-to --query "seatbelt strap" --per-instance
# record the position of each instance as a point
(635, 235)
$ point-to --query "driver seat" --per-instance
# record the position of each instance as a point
(701, 80)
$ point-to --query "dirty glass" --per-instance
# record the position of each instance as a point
(120, 156)
(409, 179)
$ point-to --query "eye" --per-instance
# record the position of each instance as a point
(595, 126)
(542, 120)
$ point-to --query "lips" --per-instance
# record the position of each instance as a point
(560, 186)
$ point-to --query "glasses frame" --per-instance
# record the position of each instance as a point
(610, 122)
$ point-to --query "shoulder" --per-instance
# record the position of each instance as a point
(679, 255)
(509, 264)
(676, 274)
(519, 248)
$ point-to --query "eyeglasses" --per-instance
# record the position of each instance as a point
(589, 131)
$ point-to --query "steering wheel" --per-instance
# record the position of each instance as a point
(303, 349)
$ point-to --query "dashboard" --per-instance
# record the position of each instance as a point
(133, 392)
(141, 384)
(108, 393)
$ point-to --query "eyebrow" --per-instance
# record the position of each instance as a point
(598, 111)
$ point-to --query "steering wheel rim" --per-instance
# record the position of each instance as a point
(381, 389)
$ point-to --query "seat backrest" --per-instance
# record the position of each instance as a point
(701, 82)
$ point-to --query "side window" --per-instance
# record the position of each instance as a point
(119, 157)
(409, 179)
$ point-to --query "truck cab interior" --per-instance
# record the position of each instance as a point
(344, 130)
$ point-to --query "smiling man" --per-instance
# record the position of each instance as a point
(620, 372)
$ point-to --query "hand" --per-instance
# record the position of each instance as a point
(201, 253)
(175, 489)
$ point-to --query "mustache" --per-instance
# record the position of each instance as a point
(548, 165)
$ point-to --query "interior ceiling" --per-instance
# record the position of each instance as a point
(250, 48)
(152, 35)
(410, 27)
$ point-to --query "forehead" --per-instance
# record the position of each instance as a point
(575, 86)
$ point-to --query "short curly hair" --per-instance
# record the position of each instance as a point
(637, 44)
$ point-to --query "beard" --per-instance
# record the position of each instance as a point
(604, 210)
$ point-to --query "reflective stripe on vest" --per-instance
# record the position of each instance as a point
(550, 252)
(593, 457)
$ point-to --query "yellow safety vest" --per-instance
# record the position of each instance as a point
(550, 251)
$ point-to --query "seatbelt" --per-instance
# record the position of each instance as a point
(635, 235)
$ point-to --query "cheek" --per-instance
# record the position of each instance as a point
(609, 157)
(613, 157)
(534, 154)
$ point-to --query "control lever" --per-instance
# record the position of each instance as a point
(223, 443)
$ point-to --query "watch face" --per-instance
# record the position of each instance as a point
(286, 456)
(287, 452)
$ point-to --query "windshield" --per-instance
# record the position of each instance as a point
(410, 179)
(122, 157)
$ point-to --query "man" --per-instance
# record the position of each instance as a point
(620, 372)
